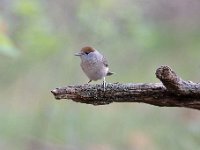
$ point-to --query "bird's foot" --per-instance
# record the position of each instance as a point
(89, 81)
(104, 84)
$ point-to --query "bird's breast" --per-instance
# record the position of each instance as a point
(94, 69)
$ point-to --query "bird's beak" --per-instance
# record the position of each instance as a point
(78, 54)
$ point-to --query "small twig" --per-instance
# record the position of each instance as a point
(174, 92)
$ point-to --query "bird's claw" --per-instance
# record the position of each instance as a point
(104, 84)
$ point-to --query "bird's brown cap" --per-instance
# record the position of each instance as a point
(87, 49)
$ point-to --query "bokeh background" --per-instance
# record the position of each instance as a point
(38, 39)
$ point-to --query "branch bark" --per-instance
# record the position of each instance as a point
(172, 92)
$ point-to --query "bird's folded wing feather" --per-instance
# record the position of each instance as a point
(104, 60)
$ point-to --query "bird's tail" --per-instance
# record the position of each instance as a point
(110, 73)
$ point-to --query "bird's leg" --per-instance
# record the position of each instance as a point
(89, 81)
(104, 84)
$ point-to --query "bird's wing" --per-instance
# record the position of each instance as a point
(104, 60)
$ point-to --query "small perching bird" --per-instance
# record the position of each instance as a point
(94, 64)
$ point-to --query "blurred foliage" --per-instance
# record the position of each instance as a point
(6, 45)
(37, 43)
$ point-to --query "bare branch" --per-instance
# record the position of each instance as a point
(174, 92)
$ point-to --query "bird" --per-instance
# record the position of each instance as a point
(94, 64)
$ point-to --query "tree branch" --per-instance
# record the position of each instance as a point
(174, 92)
(175, 84)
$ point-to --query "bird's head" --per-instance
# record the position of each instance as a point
(85, 51)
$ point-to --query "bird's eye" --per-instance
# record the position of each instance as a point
(87, 53)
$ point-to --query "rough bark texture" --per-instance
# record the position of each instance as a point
(175, 84)
(174, 92)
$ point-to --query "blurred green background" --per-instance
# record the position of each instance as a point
(38, 39)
